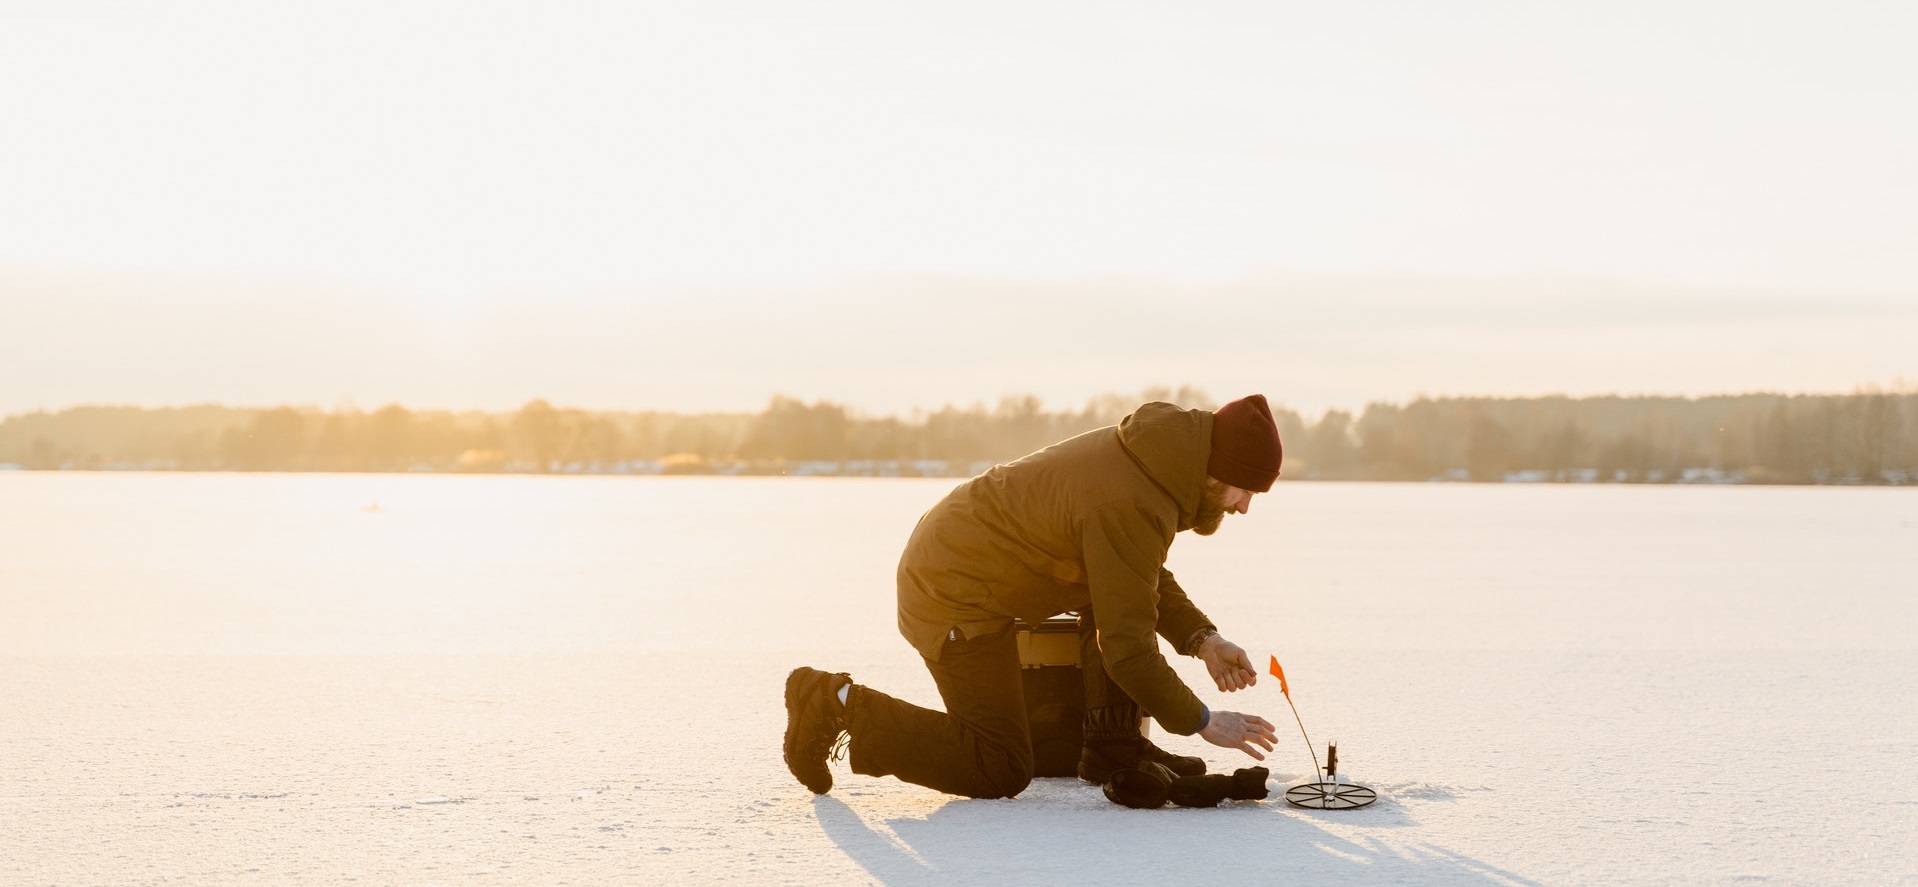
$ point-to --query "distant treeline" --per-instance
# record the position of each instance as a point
(1869, 437)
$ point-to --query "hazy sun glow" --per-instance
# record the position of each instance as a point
(437, 179)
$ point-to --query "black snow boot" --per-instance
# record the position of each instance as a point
(815, 722)
(1207, 791)
(1113, 742)
(1142, 788)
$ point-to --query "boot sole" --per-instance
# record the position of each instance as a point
(794, 703)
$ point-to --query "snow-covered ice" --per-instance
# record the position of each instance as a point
(492, 680)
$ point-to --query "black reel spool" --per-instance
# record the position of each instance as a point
(1331, 792)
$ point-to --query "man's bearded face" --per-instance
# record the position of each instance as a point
(1211, 509)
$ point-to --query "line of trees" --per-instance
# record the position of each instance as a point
(1870, 436)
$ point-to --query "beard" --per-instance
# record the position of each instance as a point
(1211, 509)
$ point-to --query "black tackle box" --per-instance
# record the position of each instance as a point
(1055, 693)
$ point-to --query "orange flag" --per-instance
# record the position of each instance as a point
(1280, 673)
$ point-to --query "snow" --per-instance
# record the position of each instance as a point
(247, 680)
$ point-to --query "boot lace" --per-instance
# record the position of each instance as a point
(838, 750)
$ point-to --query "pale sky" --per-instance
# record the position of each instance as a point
(690, 205)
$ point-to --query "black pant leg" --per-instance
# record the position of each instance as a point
(1101, 690)
(1111, 713)
(980, 747)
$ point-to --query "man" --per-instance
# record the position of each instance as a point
(1082, 525)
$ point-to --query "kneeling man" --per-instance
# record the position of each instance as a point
(1083, 525)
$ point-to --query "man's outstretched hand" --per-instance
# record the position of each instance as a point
(1229, 729)
(1231, 669)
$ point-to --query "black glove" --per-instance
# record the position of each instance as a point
(1247, 784)
(1141, 788)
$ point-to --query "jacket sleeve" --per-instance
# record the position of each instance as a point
(1179, 618)
(1125, 557)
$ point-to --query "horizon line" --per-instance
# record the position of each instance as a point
(1898, 386)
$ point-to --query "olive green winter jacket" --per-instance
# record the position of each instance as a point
(1086, 521)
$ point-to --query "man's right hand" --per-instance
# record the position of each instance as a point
(1229, 729)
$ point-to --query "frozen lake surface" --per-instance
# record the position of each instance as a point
(264, 679)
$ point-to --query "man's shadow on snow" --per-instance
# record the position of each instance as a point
(1058, 837)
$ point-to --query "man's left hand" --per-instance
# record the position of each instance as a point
(1231, 669)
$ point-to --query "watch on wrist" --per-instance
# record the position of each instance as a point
(1197, 640)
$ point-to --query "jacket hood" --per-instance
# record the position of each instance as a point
(1172, 445)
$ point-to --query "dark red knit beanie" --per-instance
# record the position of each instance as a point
(1245, 445)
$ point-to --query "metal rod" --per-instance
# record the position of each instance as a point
(1308, 740)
